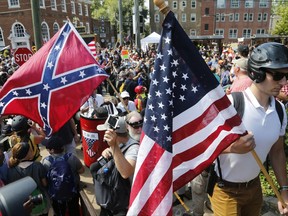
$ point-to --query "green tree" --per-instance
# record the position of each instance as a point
(281, 27)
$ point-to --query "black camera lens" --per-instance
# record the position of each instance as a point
(37, 199)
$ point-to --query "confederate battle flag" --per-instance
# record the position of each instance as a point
(51, 86)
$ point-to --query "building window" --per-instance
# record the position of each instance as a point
(73, 7)
(86, 10)
(45, 32)
(175, 5)
(245, 17)
(219, 32)
(234, 3)
(249, 3)
(193, 17)
(259, 18)
(193, 3)
(63, 6)
(184, 4)
(231, 17)
(207, 11)
(217, 17)
(233, 33)
(246, 33)
(87, 28)
(183, 17)
(18, 30)
(251, 15)
(79, 8)
(236, 17)
(206, 27)
(263, 4)
(42, 3)
(53, 5)
(265, 17)
(1, 38)
(223, 15)
(192, 32)
(156, 18)
(55, 28)
(221, 3)
(260, 31)
(13, 3)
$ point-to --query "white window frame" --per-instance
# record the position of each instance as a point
(260, 31)
(87, 25)
(247, 32)
(259, 17)
(184, 4)
(265, 17)
(236, 17)
(221, 3)
(2, 42)
(86, 10)
(193, 4)
(53, 5)
(231, 17)
(219, 31)
(18, 30)
(233, 33)
(245, 17)
(63, 6)
(54, 29)
(193, 17)
(73, 11)
(263, 3)
(13, 3)
(192, 32)
(80, 12)
(183, 17)
(217, 17)
(156, 18)
(251, 17)
(234, 4)
(45, 37)
(42, 3)
(249, 4)
(175, 5)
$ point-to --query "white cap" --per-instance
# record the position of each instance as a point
(125, 94)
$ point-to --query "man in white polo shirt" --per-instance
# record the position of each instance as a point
(239, 192)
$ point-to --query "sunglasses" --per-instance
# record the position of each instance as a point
(126, 98)
(277, 76)
(136, 125)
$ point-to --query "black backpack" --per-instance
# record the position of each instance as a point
(111, 190)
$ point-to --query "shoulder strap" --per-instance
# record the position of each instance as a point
(125, 147)
(239, 102)
(279, 111)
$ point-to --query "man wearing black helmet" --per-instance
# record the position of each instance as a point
(238, 191)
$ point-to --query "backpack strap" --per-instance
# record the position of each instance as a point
(239, 102)
(124, 148)
(279, 111)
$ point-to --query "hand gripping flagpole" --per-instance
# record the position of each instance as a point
(164, 9)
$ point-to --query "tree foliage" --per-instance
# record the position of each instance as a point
(281, 27)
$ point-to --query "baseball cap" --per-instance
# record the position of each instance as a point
(242, 63)
(53, 142)
(101, 112)
(125, 94)
(122, 128)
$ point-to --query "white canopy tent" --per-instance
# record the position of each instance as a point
(152, 38)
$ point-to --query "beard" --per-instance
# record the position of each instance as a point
(135, 136)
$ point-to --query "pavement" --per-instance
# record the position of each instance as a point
(269, 207)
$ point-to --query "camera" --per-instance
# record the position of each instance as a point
(37, 199)
(113, 122)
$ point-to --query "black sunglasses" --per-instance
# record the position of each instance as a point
(277, 76)
(136, 125)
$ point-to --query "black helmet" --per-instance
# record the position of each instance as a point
(270, 55)
(20, 123)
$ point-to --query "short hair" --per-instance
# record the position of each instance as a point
(131, 114)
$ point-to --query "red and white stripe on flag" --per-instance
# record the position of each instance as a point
(92, 47)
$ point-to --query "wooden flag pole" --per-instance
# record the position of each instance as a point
(264, 171)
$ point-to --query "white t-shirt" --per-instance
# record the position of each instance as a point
(266, 128)
(131, 106)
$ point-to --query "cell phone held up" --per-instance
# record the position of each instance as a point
(113, 122)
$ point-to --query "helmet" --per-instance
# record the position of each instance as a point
(270, 55)
(139, 89)
(19, 123)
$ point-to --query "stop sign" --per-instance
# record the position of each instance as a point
(22, 55)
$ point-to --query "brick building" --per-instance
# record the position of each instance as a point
(16, 27)
(231, 19)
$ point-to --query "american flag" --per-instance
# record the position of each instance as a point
(92, 47)
(188, 122)
(51, 86)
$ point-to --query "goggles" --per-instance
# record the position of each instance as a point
(277, 76)
(136, 125)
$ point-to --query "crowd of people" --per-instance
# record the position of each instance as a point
(260, 73)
